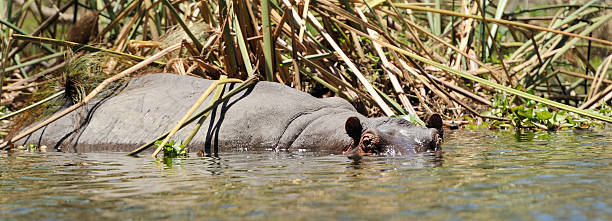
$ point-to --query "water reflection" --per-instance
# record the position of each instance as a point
(481, 175)
(524, 135)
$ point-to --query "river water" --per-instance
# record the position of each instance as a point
(482, 175)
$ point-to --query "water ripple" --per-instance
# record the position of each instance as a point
(482, 175)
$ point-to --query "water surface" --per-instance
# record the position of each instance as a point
(481, 175)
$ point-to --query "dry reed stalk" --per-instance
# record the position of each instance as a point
(494, 43)
(303, 25)
(40, 28)
(503, 22)
(34, 77)
(339, 83)
(192, 110)
(586, 77)
(462, 91)
(123, 35)
(394, 81)
(381, 103)
(487, 67)
(436, 89)
(119, 18)
(465, 30)
(150, 15)
(599, 76)
(196, 128)
(592, 103)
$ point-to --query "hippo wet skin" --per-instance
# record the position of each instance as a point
(264, 116)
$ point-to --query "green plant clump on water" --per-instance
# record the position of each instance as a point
(605, 110)
(534, 115)
(32, 148)
(172, 149)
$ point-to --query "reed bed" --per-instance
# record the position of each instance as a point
(481, 62)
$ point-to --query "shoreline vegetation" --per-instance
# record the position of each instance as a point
(491, 64)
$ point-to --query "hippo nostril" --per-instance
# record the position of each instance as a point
(435, 142)
(366, 141)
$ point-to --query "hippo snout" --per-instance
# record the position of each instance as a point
(406, 142)
(394, 136)
(423, 140)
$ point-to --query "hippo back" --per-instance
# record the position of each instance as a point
(267, 115)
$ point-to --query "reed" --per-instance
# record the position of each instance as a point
(190, 112)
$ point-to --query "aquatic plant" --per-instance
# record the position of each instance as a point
(32, 148)
(537, 116)
(172, 149)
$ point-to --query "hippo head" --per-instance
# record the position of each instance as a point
(394, 136)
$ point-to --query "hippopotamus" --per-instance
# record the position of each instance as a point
(265, 116)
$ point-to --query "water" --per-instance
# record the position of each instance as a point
(482, 175)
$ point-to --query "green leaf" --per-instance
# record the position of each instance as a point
(531, 103)
(560, 116)
(543, 115)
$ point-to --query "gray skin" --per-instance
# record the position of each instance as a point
(266, 116)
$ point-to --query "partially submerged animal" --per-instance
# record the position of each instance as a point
(265, 116)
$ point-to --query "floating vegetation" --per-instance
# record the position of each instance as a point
(538, 116)
(32, 148)
(172, 149)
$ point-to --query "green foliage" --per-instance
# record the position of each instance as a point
(536, 115)
(172, 149)
(605, 110)
(86, 72)
(32, 148)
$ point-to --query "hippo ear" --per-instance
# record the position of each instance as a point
(435, 121)
(353, 127)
